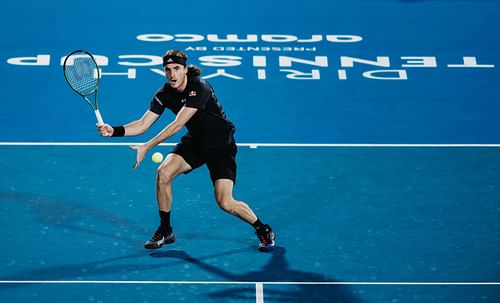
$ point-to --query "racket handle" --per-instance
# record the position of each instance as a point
(99, 117)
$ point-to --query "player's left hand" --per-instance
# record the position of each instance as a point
(142, 150)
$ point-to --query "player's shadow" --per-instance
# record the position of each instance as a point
(276, 270)
(131, 263)
(67, 215)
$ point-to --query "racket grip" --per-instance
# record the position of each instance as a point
(99, 117)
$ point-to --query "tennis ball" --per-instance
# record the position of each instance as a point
(157, 157)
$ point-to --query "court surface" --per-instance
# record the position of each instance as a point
(368, 138)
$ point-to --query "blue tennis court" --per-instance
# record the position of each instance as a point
(368, 138)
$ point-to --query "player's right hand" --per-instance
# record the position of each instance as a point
(105, 130)
(142, 150)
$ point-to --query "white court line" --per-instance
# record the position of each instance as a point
(259, 293)
(259, 286)
(242, 282)
(253, 145)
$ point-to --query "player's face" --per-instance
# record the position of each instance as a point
(176, 75)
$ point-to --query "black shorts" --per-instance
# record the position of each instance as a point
(220, 161)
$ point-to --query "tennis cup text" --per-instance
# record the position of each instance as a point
(264, 67)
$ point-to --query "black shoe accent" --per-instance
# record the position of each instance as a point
(266, 238)
(159, 239)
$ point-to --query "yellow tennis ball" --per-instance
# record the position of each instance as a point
(157, 157)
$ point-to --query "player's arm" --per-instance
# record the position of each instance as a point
(171, 129)
(134, 128)
(180, 120)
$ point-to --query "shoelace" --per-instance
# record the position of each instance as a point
(157, 237)
(264, 237)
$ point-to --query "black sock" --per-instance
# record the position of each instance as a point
(165, 226)
(257, 224)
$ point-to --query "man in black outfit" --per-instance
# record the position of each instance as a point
(209, 141)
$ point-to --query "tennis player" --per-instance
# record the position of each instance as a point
(209, 140)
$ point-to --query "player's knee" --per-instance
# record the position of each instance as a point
(164, 175)
(226, 203)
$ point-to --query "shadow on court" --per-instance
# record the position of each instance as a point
(103, 267)
(277, 269)
(68, 215)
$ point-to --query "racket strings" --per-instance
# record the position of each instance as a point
(82, 75)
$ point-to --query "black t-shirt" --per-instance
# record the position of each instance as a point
(209, 126)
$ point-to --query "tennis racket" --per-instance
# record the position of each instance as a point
(82, 74)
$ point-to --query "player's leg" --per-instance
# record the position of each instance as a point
(222, 168)
(224, 197)
(173, 166)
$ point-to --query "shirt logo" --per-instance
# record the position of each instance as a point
(158, 100)
(183, 101)
(192, 93)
